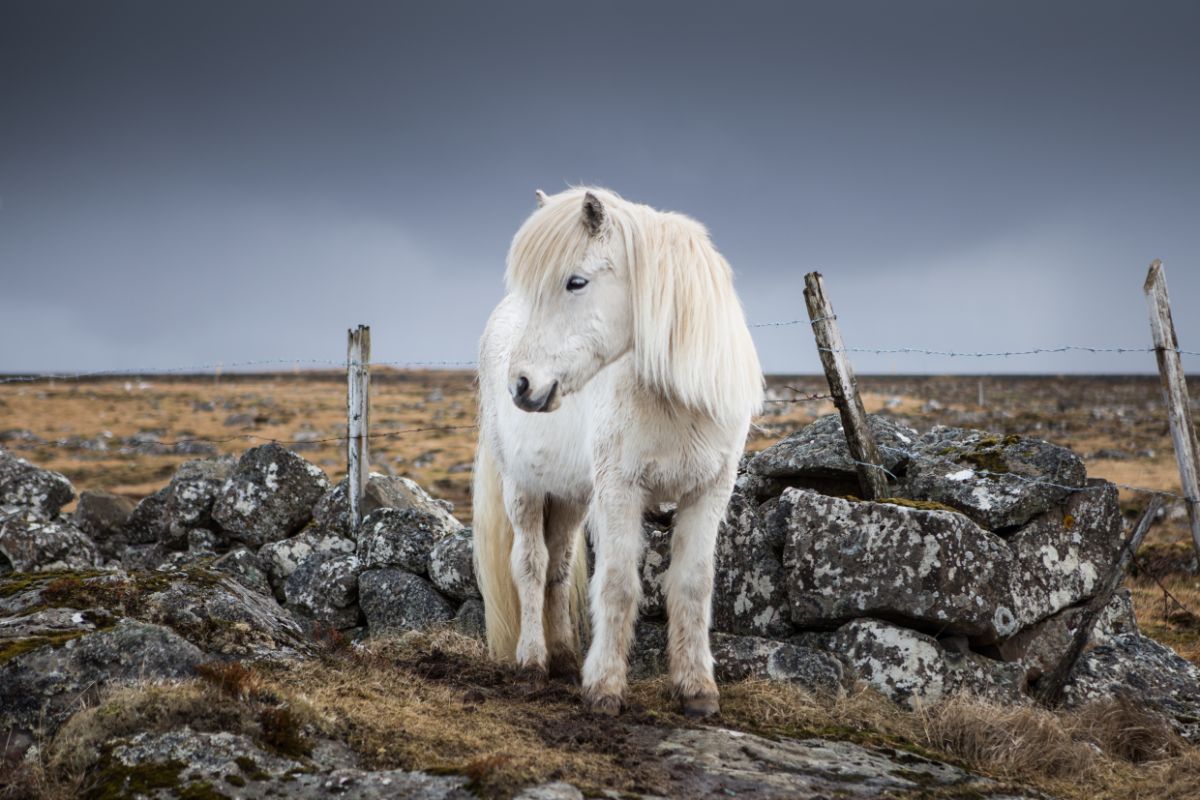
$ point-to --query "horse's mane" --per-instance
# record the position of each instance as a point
(691, 343)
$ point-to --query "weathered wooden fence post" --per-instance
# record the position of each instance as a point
(842, 386)
(358, 418)
(1175, 393)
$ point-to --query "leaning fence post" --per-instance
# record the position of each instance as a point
(1175, 392)
(844, 389)
(358, 415)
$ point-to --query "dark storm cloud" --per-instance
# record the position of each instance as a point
(197, 182)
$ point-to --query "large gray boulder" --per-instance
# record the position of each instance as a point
(394, 601)
(102, 516)
(750, 585)
(999, 482)
(43, 686)
(324, 588)
(149, 523)
(269, 496)
(222, 616)
(280, 559)
(743, 657)
(31, 543)
(935, 569)
(1064, 554)
(41, 491)
(404, 538)
(1151, 675)
(819, 450)
(332, 512)
(912, 668)
(452, 566)
(191, 494)
(1041, 647)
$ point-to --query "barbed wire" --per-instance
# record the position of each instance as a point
(1003, 353)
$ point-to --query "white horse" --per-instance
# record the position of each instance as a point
(621, 325)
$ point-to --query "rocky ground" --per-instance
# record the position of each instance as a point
(230, 635)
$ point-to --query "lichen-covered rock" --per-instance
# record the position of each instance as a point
(41, 491)
(452, 566)
(395, 601)
(203, 764)
(325, 588)
(102, 516)
(998, 482)
(404, 538)
(41, 687)
(469, 620)
(911, 668)
(1040, 648)
(741, 657)
(269, 496)
(141, 557)
(848, 559)
(1149, 674)
(656, 560)
(246, 568)
(710, 762)
(558, 790)
(31, 543)
(223, 617)
(750, 585)
(190, 497)
(819, 450)
(1063, 555)
(332, 512)
(281, 558)
(149, 523)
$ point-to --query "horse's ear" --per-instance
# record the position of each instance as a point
(594, 214)
(541, 196)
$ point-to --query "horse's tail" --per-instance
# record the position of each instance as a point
(493, 562)
(493, 550)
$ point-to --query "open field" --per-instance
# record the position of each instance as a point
(129, 435)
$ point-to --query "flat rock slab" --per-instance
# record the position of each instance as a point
(718, 763)
(231, 765)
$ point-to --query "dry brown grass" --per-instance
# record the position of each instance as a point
(434, 702)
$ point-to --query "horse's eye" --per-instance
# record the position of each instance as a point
(575, 283)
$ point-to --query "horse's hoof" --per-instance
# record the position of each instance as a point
(564, 667)
(607, 705)
(533, 676)
(700, 707)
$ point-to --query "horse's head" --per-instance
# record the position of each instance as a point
(570, 273)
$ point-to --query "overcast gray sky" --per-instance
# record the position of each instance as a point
(192, 182)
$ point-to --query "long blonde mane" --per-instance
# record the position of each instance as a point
(691, 343)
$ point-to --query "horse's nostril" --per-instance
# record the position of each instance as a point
(522, 386)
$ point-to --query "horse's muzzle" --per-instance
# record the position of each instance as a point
(524, 400)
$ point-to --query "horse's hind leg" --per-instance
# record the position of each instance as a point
(529, 558)
(562, 528)
(689, 585)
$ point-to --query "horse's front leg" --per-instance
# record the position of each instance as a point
(689, 584)
(529, 558)
(563, 519)
(616, 590)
